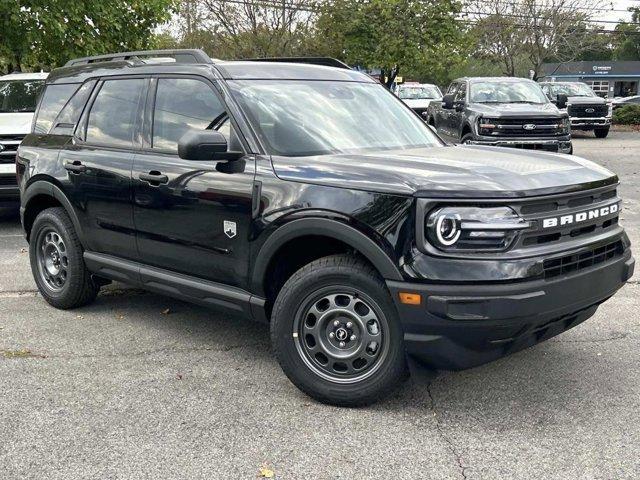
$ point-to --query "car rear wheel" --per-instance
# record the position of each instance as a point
(336, 334)
(601, 132)
(56, 259)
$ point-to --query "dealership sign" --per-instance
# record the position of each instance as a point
(601, 69)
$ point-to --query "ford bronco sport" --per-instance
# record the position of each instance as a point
(507, 112)
(311, 198)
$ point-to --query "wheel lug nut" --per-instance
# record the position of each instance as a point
(336, 323)
(331, 334)
(342, 344)
(349, 324)
(352, 338)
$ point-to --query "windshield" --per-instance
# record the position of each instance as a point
(296, 118)
(571, 90)
(506, 92)
(417, 93)
(19, 95)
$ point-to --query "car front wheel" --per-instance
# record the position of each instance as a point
(601, 132)
(336, 334)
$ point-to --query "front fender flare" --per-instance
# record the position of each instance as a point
(328, 228)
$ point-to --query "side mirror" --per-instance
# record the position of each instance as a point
(202, 145)
(561, 101)
(447, 102)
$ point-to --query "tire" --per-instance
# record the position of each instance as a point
(601, 132)
(56, 259)
(370, 363)
(466, 138)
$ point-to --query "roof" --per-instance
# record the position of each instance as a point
(493, 79)
(237, 70)
(24, 76)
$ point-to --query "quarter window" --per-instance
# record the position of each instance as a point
(112, 119)
(183, 104)
(54, 98)
(70, 114)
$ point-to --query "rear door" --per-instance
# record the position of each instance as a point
(191, 217)
(99, 160)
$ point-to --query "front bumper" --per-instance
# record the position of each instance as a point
(459, 326)
(578, 123)
(560, 145)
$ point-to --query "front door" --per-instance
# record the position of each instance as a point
(99, 161)
(191, 217)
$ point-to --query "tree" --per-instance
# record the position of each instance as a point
(421, 37)
(533, 30)
(628, 38)
(46, 33)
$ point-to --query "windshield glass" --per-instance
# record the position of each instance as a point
(296, 118)
(416, 93)
(506, 92)
(19, 95)
(572, 90)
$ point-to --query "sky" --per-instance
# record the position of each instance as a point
(615, 5)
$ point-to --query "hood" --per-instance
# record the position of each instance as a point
(420, 102)
(15, 123)
(449, 172)
(498, 110)
(586, 100)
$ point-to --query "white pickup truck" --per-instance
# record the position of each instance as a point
(19, 93)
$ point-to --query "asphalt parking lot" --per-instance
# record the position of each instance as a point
(141, 386)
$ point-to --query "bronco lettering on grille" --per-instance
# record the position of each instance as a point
(580, 217)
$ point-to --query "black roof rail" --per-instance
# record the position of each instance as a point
(326, 61)
(180, 55)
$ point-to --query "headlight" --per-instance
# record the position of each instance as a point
(487, 126)
(473, 228)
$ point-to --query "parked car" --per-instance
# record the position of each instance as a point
(311, 198)
(622, 101)
(509, 112)
(419, 96)
(587, 110)
(18, 98)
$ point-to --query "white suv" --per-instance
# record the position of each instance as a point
(19, 93)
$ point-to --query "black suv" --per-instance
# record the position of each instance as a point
(508, 112)
(312, 198)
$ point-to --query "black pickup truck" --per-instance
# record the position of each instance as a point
(361, 238)
(509, 112)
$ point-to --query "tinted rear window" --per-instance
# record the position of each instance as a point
(54, 98)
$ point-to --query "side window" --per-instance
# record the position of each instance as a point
(183, 104)
(54, 98)
(461, 94)
(66, 121)
(113, 115)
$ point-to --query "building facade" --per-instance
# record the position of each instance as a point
(607, 79)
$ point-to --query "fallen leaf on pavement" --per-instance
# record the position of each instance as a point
(166, 311)
(266, 473)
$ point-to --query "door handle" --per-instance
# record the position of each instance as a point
(153, 177)
(75, 167)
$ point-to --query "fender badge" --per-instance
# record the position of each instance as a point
(229, 228)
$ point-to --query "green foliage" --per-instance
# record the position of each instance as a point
(627, 115)
(42, 34)
(421, 37)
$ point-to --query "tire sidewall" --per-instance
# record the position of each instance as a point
(48, 219)
(290, 358)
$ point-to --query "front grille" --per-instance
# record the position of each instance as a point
(578, 261)
(568, 205)
(9, 147)
(8, 181)
(523, 127)
(586, 111)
